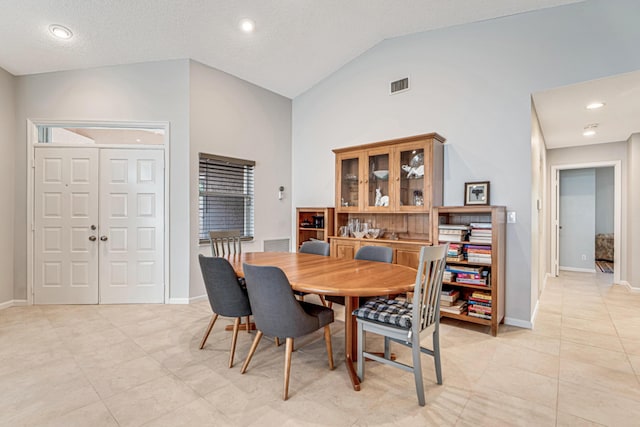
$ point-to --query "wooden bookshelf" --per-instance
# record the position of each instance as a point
(307, 224)
(465, 215)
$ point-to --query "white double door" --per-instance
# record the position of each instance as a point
(99, 226)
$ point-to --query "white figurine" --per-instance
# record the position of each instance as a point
(378, 197)
(417, 172)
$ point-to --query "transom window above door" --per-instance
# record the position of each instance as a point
(96, 135)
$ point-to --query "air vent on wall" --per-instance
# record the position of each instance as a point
(401, 85)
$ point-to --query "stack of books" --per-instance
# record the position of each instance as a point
(478, 253)
(448, 297)
(450, 303)
(480, 232)
(455, 252)
(453, 232)
(481, 278)
(448, 276)
(480, 305)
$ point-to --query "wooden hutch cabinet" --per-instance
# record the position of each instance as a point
(391, 185)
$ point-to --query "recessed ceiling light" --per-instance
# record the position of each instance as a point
(247, 25)
(60, 31)
(595, 105)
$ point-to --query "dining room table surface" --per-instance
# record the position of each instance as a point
(322, 275)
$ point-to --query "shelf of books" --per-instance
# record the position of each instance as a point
(473, 282)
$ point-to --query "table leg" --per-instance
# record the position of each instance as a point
(350, 340)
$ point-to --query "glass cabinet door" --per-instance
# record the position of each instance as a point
(350, 180)
(378, 188)
(412, 172)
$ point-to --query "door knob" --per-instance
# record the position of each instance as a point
(104, 238)
(92, 238)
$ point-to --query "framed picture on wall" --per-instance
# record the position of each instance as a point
(476, 193)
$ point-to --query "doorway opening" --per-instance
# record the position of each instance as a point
(586, 217)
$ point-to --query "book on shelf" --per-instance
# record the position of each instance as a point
(479, 282)
(480, 225)
(454, 227)
(457, 308)
(464, 268)
(472, 300)
(451, 237)
(455, 258)
(456, 231)
(479, 260)
(482, 316)
(481, 295)
(480, 240)
(450, 297)
(444, 303)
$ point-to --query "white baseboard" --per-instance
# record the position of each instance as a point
(517, 322)
(535, 313)
(178, 301)
(579, 270)
(13, 303)
(198, 299)
(191, 300)
(628, 285)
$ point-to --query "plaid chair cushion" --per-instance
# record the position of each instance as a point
(389, 311)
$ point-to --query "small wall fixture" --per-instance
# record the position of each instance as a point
(60, 31)
(280, 192)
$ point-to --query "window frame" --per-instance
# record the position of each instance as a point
(248, 193)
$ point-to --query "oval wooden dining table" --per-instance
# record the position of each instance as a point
(335, 276)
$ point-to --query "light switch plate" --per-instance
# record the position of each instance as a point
(511, 217)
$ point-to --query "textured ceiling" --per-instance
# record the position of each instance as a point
(296, 44)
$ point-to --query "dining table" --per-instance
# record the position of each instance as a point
(349, 278)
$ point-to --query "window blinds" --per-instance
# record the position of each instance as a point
(226, 195)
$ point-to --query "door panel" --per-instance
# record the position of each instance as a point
(131, 226)
(66, 206)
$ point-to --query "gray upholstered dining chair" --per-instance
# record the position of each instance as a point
(366, 253)
(404, 322)
(278, 313)
(226, 296)
(314, 247)
(225, 242)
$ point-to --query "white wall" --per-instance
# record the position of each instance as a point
(231, 117)
(577, 219)
(633, 213)
(472, 84)
(7, 147)
(604, 200)
(155, 91)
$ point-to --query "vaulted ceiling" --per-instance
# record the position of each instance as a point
(296, 43)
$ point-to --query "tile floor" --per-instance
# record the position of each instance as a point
(140, 365)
